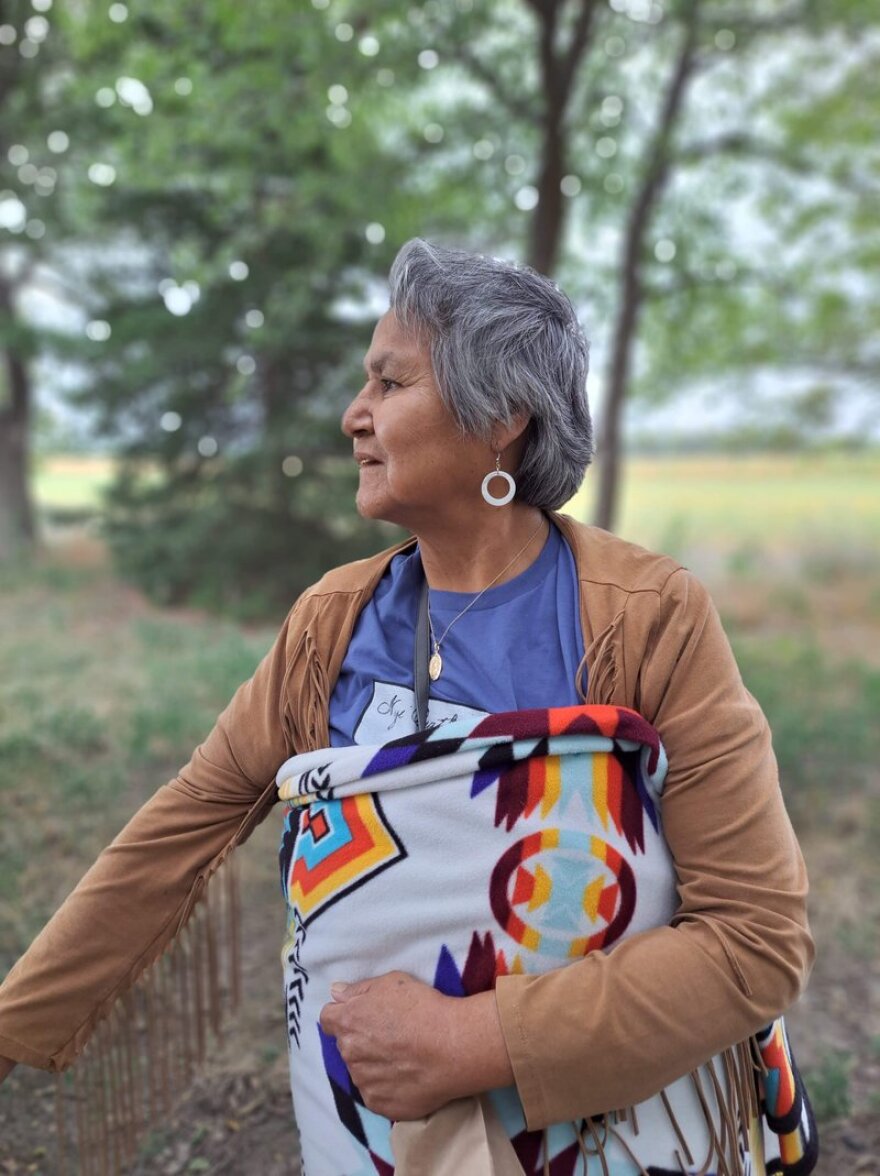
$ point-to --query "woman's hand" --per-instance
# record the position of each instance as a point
(409, 1049)
(6, 1067)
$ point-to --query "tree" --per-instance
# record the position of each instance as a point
(236, 230)
(706, 316)
(250, 177)
(23, 187)
(619, 95)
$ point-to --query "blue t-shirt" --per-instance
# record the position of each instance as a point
(518, 647)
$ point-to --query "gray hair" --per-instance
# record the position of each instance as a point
(503, 340)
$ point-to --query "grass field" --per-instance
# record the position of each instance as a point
(103, 696)
(71, 482)
(786, 504)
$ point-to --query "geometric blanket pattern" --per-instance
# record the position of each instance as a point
(513, 842)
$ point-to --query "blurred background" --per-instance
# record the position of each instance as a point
(199, 204)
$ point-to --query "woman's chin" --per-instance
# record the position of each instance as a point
(380, 509)
(370, 506)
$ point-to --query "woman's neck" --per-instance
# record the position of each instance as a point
(467, 558)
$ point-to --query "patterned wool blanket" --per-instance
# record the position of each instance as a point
(518, 842)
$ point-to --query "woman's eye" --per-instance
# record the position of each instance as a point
(387, 385)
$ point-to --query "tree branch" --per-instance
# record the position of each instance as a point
(513, 104)
(579, 39)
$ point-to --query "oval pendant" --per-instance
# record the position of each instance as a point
(435, 667)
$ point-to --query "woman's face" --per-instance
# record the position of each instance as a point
(414, 461)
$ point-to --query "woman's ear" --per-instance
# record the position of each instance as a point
(505, 435)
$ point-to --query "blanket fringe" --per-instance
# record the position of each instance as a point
(146, 1051)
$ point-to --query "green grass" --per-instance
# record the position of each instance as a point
(828, 1085)
(822, 714)
(822, 502)
(101, 702)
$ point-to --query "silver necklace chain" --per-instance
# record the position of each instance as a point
(435, 665)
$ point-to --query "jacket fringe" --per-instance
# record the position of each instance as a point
(601, 664)
(730, 1110)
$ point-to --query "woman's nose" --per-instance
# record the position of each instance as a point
(356, 418)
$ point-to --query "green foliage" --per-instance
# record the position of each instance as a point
(238, 178)
(222, 256)
(236, 537)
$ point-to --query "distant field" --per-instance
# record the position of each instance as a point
(830, 501)
(71, 482)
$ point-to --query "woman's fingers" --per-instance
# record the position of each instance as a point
(389, 1031)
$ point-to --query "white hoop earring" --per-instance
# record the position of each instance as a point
(498, 472)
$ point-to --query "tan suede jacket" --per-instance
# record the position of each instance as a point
(601, 1033)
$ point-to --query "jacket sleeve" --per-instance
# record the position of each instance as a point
(135, 898)
(616, 1027)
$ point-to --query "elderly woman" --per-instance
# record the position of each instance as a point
(556, 650)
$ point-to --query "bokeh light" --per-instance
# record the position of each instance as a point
(13, 214)
(103, 174)
(178, 300)
(526, 198)
(98, 330)
(36, 29)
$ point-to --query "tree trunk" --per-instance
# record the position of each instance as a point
(559, 66)
(17, 527)
(654, 180)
